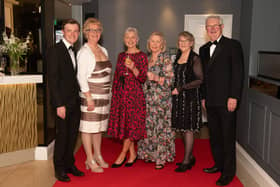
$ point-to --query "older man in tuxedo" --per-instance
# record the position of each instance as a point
(64, 95)
(222, 60)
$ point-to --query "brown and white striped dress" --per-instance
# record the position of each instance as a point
(99, 85)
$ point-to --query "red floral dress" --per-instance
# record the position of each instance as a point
(128, 106)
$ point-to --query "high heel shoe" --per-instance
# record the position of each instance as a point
(101, 162)
(129, 164)
(118, 165)
(94, 166)
(192, 162)
(183, 167)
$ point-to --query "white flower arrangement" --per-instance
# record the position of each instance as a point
(14, 47)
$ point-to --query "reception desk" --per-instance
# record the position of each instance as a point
(18, 112)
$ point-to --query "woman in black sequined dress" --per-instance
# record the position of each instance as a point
(186, 105)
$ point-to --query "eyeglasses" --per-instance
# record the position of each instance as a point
(94, 30)
(184, 41)
(217, 26)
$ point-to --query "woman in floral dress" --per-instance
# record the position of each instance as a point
(159, 145)
(128, 106)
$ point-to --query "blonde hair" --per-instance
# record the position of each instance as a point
(91, 21)
(189, 36)
(160, 34)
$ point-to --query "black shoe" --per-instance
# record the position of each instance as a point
(192, 162)
(118, 165)
(224, 180)
(62, 176)
(183, 167)
(74, 171)
(129, 164)
(214, 169)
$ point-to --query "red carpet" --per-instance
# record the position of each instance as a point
(143, 174)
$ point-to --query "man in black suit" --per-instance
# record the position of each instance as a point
(64, 95)
(222, 60)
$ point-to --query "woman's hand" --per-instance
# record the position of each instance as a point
(129, 64)
(203, 104)
(175, 92)
(90, 104)
(150, 76)
(161, 80)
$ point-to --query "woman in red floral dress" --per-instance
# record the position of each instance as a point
(128, 107)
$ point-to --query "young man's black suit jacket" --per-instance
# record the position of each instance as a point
(223, 79)
(64, 91)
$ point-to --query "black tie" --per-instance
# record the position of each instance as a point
(214, 43)
(70, 47)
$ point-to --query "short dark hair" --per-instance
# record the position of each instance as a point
(70, 21)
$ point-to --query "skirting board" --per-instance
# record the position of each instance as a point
(253, 169)
(44, 152)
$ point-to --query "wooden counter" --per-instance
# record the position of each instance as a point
(18, 112)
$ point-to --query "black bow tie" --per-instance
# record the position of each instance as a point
(214, 43)
(70, 48)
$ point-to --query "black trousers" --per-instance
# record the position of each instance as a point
(66, 136)
(222, 129)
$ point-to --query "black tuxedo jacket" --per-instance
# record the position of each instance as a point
(62, 80)
(223, 72)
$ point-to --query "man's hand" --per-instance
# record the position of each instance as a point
(61, 112)
(231, 104)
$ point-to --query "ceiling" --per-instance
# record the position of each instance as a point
(78, 2)
(72, 2)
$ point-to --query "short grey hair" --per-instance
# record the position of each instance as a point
(132, 29)
(215, 17)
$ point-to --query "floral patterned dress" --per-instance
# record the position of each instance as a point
(159, 145)
(128, 106)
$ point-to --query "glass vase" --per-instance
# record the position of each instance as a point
(14, 65)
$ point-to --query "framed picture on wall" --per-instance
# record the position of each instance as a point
(195, 24)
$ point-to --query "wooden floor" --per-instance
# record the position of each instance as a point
(41, 173)
(29, 174)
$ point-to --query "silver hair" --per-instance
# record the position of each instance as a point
(132, 29)
(214, 17)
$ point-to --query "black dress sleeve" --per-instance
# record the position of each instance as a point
(197, 76)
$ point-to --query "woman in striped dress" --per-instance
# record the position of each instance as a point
(94, 76)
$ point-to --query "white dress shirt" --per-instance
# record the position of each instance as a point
(213, 47)
(71, 52)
